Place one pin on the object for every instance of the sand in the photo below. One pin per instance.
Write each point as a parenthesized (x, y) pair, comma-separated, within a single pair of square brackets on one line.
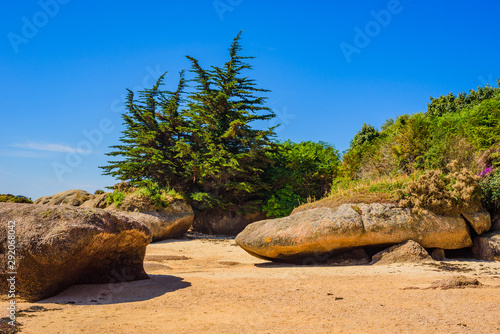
[(213, 286)]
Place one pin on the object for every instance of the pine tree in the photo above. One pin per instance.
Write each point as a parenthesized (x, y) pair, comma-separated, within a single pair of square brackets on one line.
[(152, 140), (228, 155), (204, 147)]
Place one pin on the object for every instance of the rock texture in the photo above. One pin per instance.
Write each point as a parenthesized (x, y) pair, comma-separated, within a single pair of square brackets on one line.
[(166, 224), (487, 246), (409, 251), (224, 222), (98, 201), (57, 246), (74, 197), (324, 230), (458, 282), (480, 221), (170, 222)]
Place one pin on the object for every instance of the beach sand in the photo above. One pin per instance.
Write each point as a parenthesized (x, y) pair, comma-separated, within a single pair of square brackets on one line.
[(204, 285)]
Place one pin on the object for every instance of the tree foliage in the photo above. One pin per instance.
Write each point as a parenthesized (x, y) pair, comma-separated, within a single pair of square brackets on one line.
[(199, 140), (463, 129), (299, 171), (366, 135), (155, 131), (227, 155), (451, 103)]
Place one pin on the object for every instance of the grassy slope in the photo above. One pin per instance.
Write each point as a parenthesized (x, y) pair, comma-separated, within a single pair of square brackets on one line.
[(381, 190)]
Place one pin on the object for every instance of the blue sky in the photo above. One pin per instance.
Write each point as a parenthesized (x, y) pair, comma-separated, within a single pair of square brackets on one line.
[(331, 66)]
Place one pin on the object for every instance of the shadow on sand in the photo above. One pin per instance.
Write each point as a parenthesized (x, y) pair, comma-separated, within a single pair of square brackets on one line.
[(115, 293), (189, 236)]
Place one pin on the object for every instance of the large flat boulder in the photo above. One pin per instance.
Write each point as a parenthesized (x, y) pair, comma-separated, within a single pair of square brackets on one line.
[(487, 246), (73, 197), (166, 222), (324, 230), (57, 246)]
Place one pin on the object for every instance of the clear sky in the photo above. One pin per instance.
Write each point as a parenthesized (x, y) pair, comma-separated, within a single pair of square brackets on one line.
[(331, 66)]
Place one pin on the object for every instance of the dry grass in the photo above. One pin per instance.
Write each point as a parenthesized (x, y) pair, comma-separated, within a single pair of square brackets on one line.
[(379, 190), (443, 193)]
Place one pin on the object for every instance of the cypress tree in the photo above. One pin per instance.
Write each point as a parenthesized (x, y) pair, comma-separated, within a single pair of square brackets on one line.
[(205, 147), (228, 155), (152, 139)]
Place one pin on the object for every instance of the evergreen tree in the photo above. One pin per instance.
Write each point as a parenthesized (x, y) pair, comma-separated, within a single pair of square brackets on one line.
[(228, 155), (209, 150), (152, 140)]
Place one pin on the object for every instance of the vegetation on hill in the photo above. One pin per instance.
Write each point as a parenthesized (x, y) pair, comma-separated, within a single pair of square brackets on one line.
[(299, 173), (199, 140), (446, 159), (15, 199), (146, 197)]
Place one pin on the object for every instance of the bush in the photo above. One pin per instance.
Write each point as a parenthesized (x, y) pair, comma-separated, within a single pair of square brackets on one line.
[(298, 171), (15, 199), (443, 193), (116, 197), (148, 196), (282, 203), (490, 187), (159, 196), (366, 135), (99, 192)]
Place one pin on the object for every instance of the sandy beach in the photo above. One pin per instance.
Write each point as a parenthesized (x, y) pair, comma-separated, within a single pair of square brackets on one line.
[(206, 285)]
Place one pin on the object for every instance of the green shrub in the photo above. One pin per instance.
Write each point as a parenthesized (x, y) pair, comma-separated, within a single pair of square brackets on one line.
[(490, 187), (366, 135), (15, 199), (159, 196), (116, 197), (99, 192), (282, 203), (298, 171)]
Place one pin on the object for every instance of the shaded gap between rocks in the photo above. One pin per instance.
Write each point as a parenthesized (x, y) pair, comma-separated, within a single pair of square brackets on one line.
[(462, 252)]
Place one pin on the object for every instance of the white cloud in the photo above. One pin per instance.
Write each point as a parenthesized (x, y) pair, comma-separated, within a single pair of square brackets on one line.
[(50, 147)]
